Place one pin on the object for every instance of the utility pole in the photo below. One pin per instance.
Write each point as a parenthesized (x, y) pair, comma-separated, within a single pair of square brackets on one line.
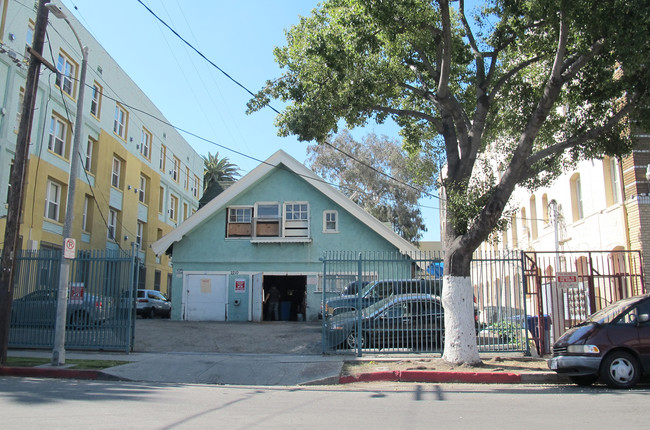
[(17, 179), (58, 353)]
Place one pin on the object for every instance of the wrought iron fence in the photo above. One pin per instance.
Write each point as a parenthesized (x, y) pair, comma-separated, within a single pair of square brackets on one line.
[(101, 306), (390, 302)]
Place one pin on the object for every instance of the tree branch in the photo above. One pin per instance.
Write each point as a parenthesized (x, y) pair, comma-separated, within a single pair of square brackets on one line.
[(501, 82), (411, 113)]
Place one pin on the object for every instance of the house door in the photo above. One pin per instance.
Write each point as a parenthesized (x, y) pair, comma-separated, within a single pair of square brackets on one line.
[(206, 298)]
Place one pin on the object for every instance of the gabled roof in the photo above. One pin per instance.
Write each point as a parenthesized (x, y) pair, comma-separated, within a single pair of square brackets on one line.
[(280, 157)]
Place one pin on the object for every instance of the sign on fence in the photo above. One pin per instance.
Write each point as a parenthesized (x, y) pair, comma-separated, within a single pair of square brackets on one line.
[(566, 280)]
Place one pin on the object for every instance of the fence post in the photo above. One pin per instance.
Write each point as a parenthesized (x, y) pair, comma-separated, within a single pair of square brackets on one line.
[(323, 335), (132, 289), (522, 256), (359, 313)]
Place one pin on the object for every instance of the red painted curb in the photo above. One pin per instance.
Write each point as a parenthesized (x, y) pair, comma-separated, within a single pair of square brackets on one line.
[(44, 372), (434, 376)]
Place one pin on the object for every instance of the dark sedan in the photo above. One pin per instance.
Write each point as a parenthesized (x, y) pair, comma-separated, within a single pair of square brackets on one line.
[(400, 321)]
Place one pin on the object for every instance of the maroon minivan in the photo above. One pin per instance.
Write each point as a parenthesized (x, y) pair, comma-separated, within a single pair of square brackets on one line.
[(613, 344)]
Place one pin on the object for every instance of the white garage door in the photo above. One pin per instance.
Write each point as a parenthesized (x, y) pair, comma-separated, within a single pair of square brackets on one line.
[(205, 298)]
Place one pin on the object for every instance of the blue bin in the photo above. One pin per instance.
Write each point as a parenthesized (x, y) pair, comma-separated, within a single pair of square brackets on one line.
[(285, 311)]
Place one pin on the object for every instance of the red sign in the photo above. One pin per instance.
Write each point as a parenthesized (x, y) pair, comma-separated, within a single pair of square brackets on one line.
[(77, 292), (567, 279), (240, 285)]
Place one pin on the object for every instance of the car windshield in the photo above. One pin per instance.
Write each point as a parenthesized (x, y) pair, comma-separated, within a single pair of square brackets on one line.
[(368, 288), (375, 307), (607, 314)]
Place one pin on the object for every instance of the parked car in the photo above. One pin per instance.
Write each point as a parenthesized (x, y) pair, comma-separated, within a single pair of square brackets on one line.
[(381, 289), (399, 321), (353, 287), (613, 344), (151, 303), (39, 308)]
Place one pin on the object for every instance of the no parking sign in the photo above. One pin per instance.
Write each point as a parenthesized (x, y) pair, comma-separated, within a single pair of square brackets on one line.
[(69, 248)]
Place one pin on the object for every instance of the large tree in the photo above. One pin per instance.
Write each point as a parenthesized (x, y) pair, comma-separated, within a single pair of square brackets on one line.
[(377, 175), (537, 84)]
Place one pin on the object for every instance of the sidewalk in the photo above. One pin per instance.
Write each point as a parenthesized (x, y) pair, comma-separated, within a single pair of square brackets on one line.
[(262, 354)]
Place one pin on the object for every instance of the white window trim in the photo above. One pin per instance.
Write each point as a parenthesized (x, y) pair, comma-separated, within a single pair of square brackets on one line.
[(120, 122), (145, 143), (57, 127), (173, 207), (336, 222), (244, 219), (139, 234), (88, 161), (67, 74), (96, 100), (115, 175), (142, 190), (293, 226), (111, 231), (84, 219), (54, 200)]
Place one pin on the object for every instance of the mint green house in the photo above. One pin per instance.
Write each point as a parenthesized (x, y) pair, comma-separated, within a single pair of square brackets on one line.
[(270, 228)]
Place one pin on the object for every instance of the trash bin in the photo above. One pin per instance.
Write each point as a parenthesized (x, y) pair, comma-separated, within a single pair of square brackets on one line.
[(285, 311)]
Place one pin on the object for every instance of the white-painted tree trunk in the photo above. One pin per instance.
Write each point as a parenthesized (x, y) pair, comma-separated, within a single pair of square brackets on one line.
[(460, 330)]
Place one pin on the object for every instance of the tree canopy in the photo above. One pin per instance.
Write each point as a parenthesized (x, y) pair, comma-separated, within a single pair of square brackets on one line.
[(523, 87), (377, 175), (216, 172)]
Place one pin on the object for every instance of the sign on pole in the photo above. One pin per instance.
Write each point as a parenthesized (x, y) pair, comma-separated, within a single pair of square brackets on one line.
[(69, 248)]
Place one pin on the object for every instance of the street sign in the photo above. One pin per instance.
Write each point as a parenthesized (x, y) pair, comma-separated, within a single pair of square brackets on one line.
[(567, 280), (69, 248)]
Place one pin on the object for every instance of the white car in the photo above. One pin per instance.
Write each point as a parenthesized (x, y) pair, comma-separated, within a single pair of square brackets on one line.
[(151, 303)]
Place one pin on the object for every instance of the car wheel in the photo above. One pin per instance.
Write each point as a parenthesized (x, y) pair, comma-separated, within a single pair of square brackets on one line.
[(351, 340), (584, 380), (620, 370), (79, 320)]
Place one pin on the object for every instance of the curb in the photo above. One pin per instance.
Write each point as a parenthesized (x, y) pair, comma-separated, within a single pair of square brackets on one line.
[(461, 377), (44, 372)]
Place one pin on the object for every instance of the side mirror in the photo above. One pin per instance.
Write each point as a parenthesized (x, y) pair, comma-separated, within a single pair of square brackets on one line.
[(643, 318)]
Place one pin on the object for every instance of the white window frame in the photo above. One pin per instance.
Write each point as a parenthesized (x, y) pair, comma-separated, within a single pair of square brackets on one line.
[(327, 221), (139, 234), (120, 122), (239, 215), (263, 217), (296, 219), (173, 207), (84, 221), (53, 200), (58, 135), (145, 143), (175, 168), (88, 162), (197, 184), (142, 191), (96, 100), (163, 156), (116, 168), (111, 232), (67, 73)]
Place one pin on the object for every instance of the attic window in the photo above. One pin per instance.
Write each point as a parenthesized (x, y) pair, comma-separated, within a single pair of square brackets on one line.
[(239, 222), (267, 221)]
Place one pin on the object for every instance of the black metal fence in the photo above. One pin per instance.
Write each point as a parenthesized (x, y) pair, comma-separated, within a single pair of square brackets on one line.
[(100, 309)]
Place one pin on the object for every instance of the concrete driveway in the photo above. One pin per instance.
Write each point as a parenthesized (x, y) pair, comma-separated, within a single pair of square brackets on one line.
[(273, 337)]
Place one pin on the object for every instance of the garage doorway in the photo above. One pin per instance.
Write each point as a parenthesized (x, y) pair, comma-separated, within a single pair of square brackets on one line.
[(293, 292)]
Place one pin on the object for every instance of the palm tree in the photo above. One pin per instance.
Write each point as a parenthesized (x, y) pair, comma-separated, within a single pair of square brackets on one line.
[(216, 172)]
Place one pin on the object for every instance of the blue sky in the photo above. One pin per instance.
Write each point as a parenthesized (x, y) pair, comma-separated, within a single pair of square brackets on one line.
[(239, 37)]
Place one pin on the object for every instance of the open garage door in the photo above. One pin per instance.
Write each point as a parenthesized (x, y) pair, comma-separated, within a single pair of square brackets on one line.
[(206, 298)]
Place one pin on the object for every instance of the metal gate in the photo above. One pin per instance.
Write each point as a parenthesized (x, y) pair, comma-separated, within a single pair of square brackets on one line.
[(101, 306), (390, 302), (588, 281)]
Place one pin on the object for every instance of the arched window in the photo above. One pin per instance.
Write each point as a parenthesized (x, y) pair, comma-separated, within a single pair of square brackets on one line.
[(533, 217), (576, 197), (545, 208)]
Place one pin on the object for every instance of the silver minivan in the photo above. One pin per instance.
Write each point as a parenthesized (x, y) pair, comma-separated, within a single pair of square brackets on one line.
[(151, 303)]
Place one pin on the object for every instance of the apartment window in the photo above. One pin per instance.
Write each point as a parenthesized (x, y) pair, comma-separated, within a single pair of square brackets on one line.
[(195, 189), (186, 211), (187, 178), (239, 222), (545, 208), (156, 280), (139, 234), (29, 37), (19, 111), (267, 220), (296, 219), (67, 73), (513, 224), (88, 160), (121, 121), (112, 224), (612, 181), (58, 136), (163, 157), (576, 197), (175, 169), (533, 216), (116, 172), (53, 200), (86, 222), (330, 222), (96, 100), (161, 200), (142, 191), (145, 143), (173, 207)]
